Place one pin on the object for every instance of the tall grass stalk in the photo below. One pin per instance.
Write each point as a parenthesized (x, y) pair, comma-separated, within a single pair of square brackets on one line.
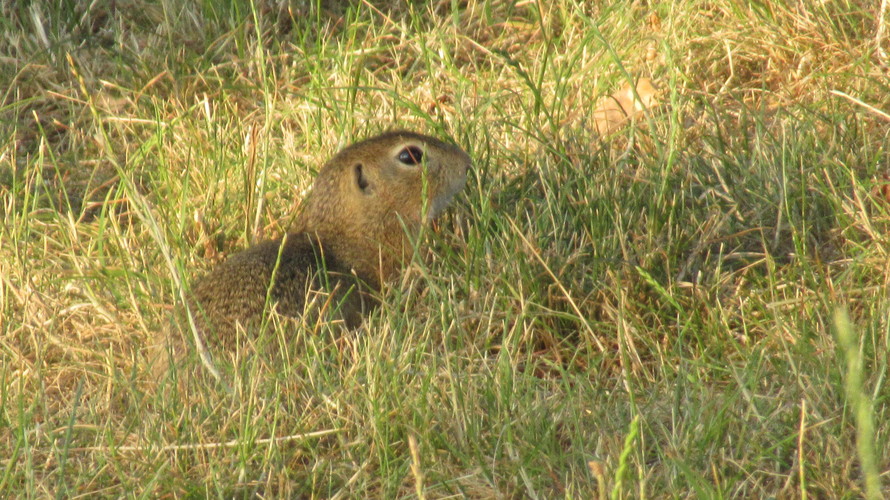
[(860, 403)]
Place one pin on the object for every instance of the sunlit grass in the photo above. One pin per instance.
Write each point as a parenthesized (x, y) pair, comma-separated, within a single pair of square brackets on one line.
[(644, 315)]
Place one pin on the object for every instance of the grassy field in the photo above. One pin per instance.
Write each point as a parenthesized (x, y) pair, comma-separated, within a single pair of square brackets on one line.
[(695, 306)]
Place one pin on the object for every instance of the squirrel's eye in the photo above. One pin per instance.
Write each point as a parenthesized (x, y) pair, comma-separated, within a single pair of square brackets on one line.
[(412, 155)]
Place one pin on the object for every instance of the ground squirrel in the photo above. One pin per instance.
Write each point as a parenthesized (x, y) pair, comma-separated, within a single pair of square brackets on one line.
[(350, 236)]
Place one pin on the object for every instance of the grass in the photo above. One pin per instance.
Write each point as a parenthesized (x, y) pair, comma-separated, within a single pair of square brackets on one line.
[(656, 313)]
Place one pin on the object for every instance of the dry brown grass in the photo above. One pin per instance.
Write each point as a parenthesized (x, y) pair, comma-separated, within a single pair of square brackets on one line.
[(684, 272)]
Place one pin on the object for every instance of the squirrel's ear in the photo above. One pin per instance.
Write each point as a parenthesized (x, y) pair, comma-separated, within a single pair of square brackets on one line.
[(361, 180)]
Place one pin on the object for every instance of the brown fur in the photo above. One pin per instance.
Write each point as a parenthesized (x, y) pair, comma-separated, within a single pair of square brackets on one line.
[(348, 240)]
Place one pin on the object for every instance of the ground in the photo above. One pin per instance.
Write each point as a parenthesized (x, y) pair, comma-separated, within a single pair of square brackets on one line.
[(691, 304)]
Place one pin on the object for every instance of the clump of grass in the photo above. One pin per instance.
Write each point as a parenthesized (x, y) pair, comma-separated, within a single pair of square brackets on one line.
[(674, 282)]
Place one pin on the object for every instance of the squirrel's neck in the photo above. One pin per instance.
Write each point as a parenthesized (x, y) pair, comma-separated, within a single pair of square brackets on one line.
[(371, 241), (374, 256)]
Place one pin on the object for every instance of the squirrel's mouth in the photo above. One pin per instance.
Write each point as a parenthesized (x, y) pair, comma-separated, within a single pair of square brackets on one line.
[(441, 202), (438, 206)]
